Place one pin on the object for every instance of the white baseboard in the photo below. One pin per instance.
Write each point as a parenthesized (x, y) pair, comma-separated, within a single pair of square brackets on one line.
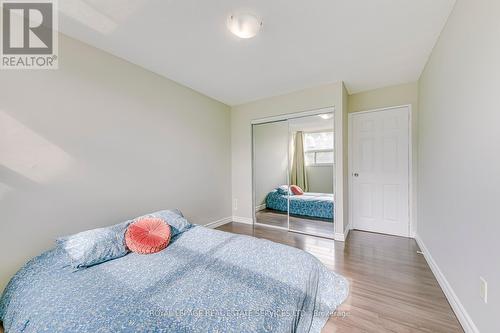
[(339, 237), (346, 232), (462, 315), (240, 219), (260, 207), (218, 223), (342, 236)]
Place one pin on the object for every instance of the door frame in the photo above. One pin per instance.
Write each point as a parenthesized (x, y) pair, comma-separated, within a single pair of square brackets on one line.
[(338, 151), (411, 186)]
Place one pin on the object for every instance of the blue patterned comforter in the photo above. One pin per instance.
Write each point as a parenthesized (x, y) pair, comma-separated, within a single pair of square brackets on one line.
[(309, 204), (205, 281)]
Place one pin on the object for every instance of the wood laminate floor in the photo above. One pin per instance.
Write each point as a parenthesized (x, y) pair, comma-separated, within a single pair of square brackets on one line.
[(392, 289), (309, 225)]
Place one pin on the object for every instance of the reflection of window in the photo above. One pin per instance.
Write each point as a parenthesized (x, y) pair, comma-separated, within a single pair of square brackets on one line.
[(318, 148)]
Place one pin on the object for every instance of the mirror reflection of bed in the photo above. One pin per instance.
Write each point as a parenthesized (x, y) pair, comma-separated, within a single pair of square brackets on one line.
[(294, 174)]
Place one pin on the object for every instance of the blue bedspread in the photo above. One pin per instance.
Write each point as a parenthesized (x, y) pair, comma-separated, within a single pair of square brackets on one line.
[(309, 204), (205, 281)]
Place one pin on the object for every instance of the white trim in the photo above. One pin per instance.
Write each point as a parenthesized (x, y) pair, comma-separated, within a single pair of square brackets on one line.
[(326, 150), (240, 219), (310, 234), (218, 223), (260, 207), (343, 236), (340, 237), (379, 109), (270, 226), (321, 130), (349, 169), (338, 170), (288, 116), (412, 228), (315, 151), (411, 223), (347, 230), (320, 165), (462, 315)]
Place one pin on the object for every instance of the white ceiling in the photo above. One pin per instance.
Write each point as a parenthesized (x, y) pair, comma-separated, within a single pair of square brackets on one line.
[(366, 43)]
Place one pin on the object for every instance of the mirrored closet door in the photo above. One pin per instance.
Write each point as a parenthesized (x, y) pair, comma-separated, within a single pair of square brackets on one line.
[(294, 174), (270, 169), (312, 172)]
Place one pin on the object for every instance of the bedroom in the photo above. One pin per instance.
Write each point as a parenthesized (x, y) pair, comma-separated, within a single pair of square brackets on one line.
[(139, 132)]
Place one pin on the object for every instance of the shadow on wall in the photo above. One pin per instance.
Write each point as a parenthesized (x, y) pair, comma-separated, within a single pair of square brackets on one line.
[(27, 154), (46, 192)]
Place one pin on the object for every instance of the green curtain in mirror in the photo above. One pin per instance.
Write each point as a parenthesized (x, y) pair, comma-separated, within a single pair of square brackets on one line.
[(298, 175)]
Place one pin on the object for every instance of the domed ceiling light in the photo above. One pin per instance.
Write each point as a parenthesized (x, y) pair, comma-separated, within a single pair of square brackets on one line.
[(244, 25)]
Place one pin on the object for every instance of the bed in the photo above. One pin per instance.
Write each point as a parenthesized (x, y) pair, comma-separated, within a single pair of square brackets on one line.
[(319, 205), (205, 281)]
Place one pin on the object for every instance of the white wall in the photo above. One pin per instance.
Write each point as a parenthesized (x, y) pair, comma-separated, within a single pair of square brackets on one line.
[(101, 140), (320, 178), (271, 158), (241, 145), (459, 157)]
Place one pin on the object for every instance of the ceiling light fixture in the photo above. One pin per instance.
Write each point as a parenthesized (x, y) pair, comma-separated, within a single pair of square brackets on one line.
[(244, 25), (326, 116)]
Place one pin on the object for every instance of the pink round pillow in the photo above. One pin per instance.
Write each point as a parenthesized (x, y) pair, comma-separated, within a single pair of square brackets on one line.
[(296, 190), (147, 235)]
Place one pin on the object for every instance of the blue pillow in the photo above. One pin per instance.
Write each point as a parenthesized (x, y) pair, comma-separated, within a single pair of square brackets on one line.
[(92, 247), (175, 219), (285, 190)]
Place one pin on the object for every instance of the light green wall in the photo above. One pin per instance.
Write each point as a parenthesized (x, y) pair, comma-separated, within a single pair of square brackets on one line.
[(459, 165), (99, 141), (385, 97)]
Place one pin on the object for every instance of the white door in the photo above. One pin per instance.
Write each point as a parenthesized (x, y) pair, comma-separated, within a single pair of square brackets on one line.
[(380, 171)]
